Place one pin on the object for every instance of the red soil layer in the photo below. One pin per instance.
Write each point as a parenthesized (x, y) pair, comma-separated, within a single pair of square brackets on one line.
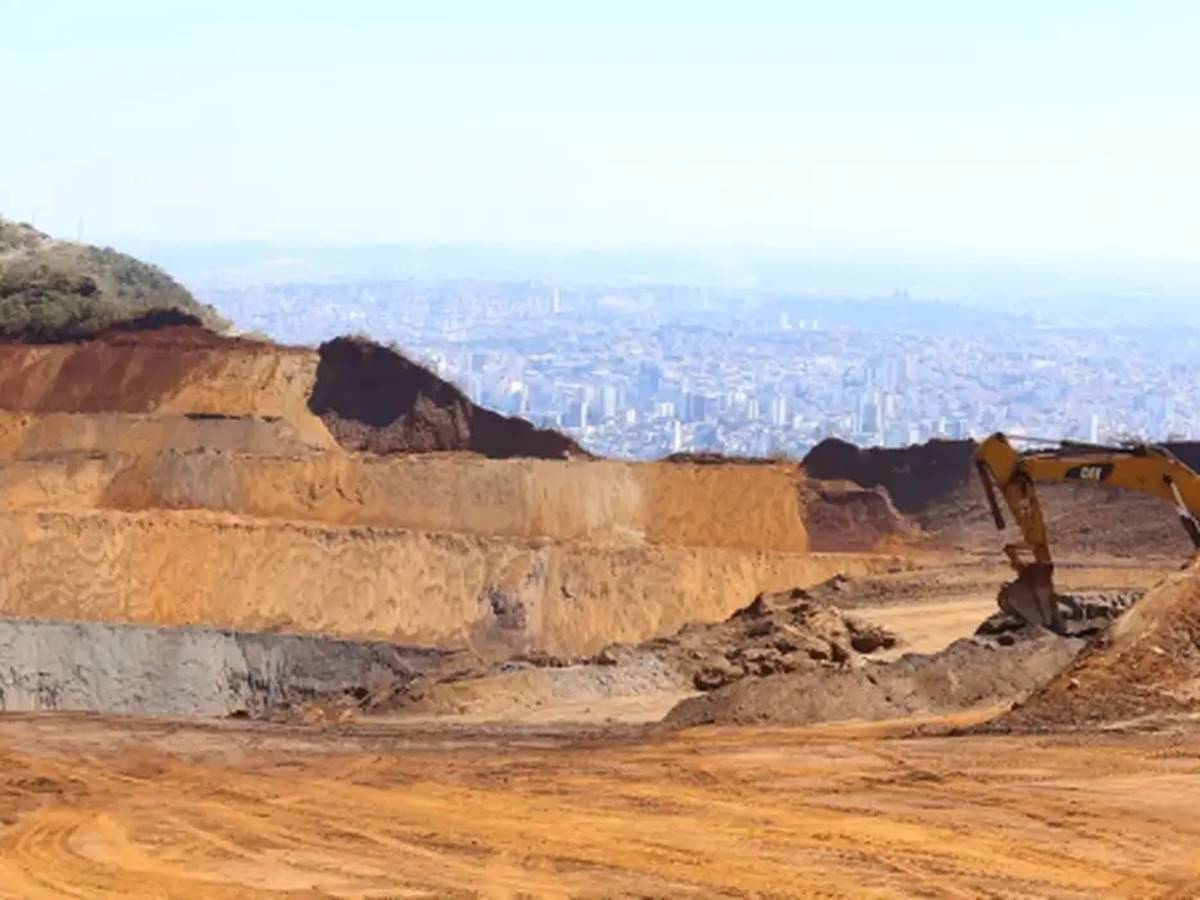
[(158, 328), (840, 516), (373, 399), (128, 368)]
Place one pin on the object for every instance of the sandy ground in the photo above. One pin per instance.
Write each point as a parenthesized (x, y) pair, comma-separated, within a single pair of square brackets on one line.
[(99, 807), (932, 606), (569, 799)]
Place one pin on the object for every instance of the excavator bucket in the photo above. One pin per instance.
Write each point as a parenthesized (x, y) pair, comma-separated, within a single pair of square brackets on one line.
[(1030, 597)]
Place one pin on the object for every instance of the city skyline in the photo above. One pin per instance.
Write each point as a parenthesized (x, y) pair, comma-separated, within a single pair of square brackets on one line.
[(643, 373)]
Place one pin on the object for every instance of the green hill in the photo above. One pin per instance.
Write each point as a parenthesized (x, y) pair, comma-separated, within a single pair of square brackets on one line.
[(59, 290)]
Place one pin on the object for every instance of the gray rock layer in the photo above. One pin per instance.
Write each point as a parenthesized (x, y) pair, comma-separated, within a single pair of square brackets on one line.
[(94, 667)]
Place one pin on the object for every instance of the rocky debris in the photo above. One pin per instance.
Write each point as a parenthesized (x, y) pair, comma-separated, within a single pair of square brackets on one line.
[(786, 632), (969, 672), (789, 631), (374, 399), (1146, 665), (1083, 615), (1003, 661)]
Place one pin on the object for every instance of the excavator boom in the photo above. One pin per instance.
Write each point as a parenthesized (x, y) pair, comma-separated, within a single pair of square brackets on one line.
[(1010, 475)]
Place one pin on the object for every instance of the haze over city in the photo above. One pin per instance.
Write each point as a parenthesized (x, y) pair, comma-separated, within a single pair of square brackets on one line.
[(763, 226)]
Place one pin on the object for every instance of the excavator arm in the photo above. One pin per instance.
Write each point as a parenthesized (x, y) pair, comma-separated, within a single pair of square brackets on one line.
[(1009, 474)]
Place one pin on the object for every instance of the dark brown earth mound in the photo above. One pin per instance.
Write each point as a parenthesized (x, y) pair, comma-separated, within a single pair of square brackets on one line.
[(915, 477), (935, 484), (1147, 664), (375, 400)]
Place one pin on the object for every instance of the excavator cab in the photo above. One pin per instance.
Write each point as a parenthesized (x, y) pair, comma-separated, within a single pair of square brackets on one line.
[(1009, 474)]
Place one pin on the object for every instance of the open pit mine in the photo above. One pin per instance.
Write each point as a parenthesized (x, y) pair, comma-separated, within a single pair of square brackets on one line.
[(297, 621)]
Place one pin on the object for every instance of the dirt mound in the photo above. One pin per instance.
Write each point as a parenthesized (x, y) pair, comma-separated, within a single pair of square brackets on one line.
[(1147, 664), (373, 399), (789, 631), (914, 477), (935, 484), (970, 672), (1003, 660), (170, 328)]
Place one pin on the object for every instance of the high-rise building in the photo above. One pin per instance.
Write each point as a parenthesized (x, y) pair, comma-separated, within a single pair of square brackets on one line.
[(577, 415), (870, 415), (608, 401), (779, 410), (649, 380)]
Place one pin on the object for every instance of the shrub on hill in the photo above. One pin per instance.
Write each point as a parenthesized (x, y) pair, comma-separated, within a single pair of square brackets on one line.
[(56, 290)]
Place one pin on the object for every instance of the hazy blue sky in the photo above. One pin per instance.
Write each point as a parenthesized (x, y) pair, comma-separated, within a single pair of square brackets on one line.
[(1015, 126)]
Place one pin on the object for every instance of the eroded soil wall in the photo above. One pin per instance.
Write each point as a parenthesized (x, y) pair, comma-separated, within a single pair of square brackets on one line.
[(607, 502), (496, 594)]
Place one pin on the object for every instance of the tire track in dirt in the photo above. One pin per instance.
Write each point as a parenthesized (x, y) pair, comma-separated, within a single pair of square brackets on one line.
[(139, 809)]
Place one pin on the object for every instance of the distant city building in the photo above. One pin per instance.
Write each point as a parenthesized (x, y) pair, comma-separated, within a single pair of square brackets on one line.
[(779, 411), (635, 372), (608, 401), (649, 379)]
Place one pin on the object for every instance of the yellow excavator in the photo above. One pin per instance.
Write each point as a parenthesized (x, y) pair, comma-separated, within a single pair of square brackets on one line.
[(1012, 473)]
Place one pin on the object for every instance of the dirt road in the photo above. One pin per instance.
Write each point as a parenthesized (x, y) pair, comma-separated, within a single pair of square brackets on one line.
[(97, 808)]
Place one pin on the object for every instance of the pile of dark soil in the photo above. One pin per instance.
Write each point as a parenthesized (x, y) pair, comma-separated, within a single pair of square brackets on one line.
[(916, 477), (936, 485), (373, 399)]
